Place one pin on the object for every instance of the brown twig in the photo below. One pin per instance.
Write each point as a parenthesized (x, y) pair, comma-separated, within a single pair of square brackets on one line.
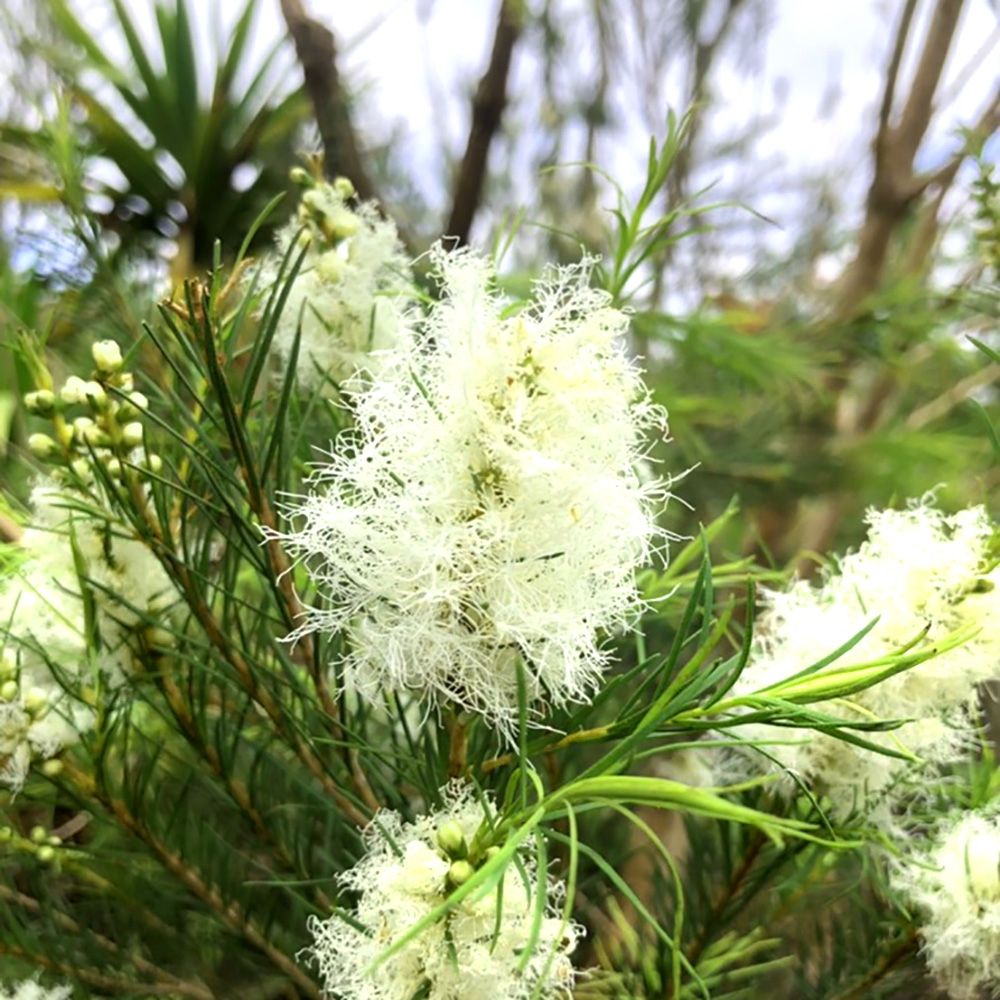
[(10, 530), (236, 789), (280, 567), (728, 894), (111, 984), (178, 987), (488, 105), (458, 745), (217, 638), (907, 947), (229, 912)]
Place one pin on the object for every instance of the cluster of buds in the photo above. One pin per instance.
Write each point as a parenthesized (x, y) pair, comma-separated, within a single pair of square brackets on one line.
[(327, 219), (464, 861), (110, 428), (39, 842), (23, 735)]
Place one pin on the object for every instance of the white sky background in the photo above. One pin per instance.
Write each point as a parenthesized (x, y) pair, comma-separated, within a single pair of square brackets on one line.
[(416, 61)]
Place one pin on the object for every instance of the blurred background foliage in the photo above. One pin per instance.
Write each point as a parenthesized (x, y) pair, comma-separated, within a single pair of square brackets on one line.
[(808, 376), (830, 372)]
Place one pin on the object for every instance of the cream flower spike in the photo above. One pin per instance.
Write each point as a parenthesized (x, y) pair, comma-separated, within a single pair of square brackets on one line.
[(488, 508), (408, 870), (955, 884), (919, 569), (351, 291)]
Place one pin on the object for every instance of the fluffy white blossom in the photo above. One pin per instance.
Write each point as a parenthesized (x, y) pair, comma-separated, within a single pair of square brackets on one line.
[(955, 884), (487, 508), (42, 603), (919, 569), (408, 870), (31, 989), (349, 291), (43, 622)]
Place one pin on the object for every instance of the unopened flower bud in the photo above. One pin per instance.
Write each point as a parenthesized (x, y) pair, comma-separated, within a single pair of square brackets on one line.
[(86, 431), (460, 872), (160, 637), (52, 768), (107, 356), (114, 468), (74, 391), (9, 690), (81, 427), (40, 403), (36, 703), (125, 382), (339, 224), (344, 188), (302, 177), (96, 396), (154, 463), (8, 666), (46, 854), (132, 434), (451, 840), (139, 401), (42, 446), (38, 834), (54, 841), (6, 834), (331, 266)]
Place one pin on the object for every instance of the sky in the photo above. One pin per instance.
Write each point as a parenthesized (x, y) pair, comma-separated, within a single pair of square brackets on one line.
[(414, 62)]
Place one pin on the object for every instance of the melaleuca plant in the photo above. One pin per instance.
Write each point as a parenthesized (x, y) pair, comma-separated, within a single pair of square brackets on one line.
[(351, 650)]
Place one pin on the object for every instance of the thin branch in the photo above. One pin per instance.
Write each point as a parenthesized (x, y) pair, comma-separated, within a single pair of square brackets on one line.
[(957, 394), (918, 110), (894, 186), (317, 54), (487, 110), (230, 912), (892, 73), (903, 950), (177, 987), (100, 980)]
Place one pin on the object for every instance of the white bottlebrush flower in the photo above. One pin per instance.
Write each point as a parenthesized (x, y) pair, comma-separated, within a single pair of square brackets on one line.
[(487, 508), (404, 875), (954, 883), (42, 604), (919, 569), (31, 989), (349, 292)]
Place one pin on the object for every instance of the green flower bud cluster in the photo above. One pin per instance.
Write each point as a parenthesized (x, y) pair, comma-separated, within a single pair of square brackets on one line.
[(109, 428), (465, 861), (39, 842), (324, 211)]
